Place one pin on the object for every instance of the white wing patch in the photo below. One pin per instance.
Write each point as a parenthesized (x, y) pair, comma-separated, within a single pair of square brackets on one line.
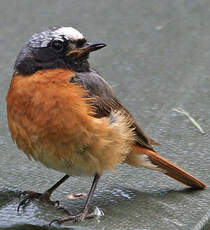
[(69, 33)]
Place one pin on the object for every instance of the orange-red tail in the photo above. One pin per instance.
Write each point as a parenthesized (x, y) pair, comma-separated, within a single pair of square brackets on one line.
[(152, 159)]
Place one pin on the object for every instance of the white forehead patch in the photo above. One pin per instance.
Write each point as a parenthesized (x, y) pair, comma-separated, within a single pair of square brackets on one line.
[(69, 33), (44, 38)]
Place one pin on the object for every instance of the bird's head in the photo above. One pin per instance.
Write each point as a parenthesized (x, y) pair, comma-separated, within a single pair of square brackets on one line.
[(58, 47)]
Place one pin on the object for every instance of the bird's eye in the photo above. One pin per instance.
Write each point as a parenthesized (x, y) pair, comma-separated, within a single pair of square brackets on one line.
[(57, 45)]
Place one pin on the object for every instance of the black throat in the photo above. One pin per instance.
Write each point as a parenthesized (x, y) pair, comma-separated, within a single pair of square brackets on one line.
[(29, 65), (78, 65)]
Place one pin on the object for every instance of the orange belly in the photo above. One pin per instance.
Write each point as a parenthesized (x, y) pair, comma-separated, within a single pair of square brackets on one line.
[(51, 121)]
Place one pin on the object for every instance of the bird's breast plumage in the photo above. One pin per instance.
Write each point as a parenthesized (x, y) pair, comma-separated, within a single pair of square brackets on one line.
[(51, 120)]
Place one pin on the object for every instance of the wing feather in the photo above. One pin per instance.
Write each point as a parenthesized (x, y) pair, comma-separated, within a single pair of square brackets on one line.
[(104, 101)]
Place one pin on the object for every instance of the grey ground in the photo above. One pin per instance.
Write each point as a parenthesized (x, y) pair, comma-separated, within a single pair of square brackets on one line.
[(157, 58)]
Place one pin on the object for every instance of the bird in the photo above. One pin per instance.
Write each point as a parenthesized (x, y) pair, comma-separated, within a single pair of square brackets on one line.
[(62, 113)]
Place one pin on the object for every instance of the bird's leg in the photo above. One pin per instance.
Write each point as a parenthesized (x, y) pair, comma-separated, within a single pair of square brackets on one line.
[(84, 213), (44, 197)]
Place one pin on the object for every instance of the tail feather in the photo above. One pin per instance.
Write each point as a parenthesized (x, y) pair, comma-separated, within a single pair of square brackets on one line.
[(169, 168)]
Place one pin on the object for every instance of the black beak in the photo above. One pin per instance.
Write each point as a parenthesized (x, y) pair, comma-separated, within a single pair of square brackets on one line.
[(87, 48), (92, 46)]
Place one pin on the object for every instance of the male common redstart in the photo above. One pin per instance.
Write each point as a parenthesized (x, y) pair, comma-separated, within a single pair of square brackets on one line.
[(62, 113)]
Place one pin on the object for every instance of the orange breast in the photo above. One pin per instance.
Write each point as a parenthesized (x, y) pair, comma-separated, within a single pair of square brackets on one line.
[(50, 120)]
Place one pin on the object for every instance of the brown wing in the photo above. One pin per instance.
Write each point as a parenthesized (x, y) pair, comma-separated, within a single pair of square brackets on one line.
[(104, 101)]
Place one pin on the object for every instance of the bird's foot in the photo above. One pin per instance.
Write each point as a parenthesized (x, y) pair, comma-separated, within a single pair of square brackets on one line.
[(28, 196), (76, 218)]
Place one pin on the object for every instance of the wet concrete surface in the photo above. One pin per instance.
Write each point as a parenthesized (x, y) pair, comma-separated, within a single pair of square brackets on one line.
[(157, 59)]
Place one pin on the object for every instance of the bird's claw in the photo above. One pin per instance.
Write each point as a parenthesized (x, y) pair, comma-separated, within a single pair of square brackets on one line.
[(23, 203), (75, 218), (28, 196)]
